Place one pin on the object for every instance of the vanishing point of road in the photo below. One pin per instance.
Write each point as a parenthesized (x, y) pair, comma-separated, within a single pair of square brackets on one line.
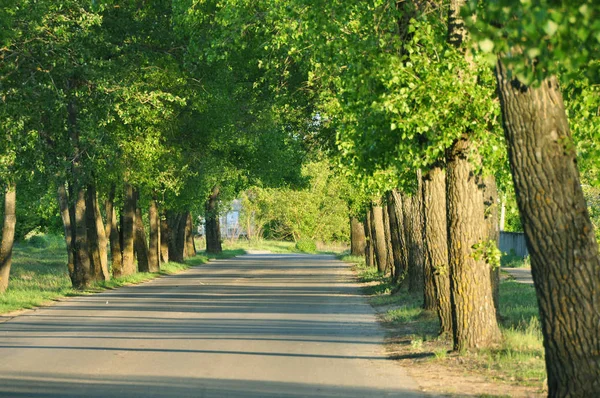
[(259, 326)]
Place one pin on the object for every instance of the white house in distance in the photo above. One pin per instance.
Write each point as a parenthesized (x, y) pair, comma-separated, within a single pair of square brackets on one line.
[(229, 220)]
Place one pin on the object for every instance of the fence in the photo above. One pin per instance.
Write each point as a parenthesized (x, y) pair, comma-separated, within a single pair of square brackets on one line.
[(513, 242)]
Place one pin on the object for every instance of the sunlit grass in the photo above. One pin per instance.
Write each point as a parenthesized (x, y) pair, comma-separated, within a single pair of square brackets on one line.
[(274, 246), (519, 358)]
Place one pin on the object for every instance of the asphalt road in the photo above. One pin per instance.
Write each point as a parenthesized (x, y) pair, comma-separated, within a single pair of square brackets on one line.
[(521, 275), (262, 325)]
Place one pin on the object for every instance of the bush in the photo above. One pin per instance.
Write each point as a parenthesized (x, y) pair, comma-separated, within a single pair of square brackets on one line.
[(38, 241), (306, 246)]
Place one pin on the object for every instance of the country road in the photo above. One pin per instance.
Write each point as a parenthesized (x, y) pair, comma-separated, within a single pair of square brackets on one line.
[(261, 325)]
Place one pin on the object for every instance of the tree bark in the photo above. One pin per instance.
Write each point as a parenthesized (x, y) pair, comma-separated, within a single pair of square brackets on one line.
[(416, 278), (388, 242), (436, 243), (139, 242), (190, 250), (560, 236), (213, 229), (63, 204), (357, 237), (490, 200), (112, 231), (155, 241), (8, 234), (369, 250), (96, 236), (177, 240), (128, 231), (474, 314), (378, 233), (398, 239), (165, 237), (81, 277)]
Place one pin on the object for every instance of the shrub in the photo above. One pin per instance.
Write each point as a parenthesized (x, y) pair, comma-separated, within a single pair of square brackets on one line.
[(38, 241), (306, 246)]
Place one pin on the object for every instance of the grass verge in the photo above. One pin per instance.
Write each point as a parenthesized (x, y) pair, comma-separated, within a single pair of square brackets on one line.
[(516, 362), (280, 247), (39, 275)]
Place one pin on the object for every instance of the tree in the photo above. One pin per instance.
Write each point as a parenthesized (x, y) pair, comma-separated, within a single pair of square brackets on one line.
[(533, 45)]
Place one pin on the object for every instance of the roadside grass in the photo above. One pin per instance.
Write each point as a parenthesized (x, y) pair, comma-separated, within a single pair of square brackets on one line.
[(278, 247), (518, 359), (512, 261), (39, 274)]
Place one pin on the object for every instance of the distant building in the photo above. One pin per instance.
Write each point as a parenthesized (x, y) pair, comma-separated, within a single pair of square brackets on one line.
[(229, 221)]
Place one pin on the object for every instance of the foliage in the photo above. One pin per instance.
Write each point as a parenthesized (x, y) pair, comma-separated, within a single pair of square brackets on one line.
[(317, 212), (306, 245)]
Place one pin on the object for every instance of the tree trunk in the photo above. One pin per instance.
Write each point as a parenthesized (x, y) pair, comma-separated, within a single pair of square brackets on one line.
[(128, 231), (81, 277), (155, 242), (96, 236), (558, 231), (474, 314), (165, 237), (112, 231), (369, 250), (430, 300), (357, 237), (436, 243), (190, 250), (213, 229), (63, 204), (398, 239), (8, 235), (378, 233), (416, 276), (388, 242), (490, 200), (139, 242), (177, 241)]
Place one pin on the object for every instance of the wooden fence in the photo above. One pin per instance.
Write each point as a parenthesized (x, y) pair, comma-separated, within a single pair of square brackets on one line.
[(513, 243)]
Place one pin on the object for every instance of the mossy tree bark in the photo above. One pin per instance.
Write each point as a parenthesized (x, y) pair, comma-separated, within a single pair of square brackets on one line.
[(436, 243), (398, 238), (490, 200), (154, 244), (212, 226), (8, 234), (357, 237), (474, 314), (378, 234), (128, 232), (560, 236), (81, 276)]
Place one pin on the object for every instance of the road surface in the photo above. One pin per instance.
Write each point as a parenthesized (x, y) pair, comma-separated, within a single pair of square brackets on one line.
[(262, 325), (521, 275)]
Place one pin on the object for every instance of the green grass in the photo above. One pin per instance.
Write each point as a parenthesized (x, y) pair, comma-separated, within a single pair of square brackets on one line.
[(279, 247), (519, 358), (39, 274), (512, 261)]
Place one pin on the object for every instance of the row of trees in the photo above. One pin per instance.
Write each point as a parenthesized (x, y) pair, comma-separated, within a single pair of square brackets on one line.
[(112, 109), (447, 89), (176, 104)]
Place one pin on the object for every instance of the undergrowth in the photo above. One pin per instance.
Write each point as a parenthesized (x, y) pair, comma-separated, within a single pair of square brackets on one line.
[(518, 359)]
